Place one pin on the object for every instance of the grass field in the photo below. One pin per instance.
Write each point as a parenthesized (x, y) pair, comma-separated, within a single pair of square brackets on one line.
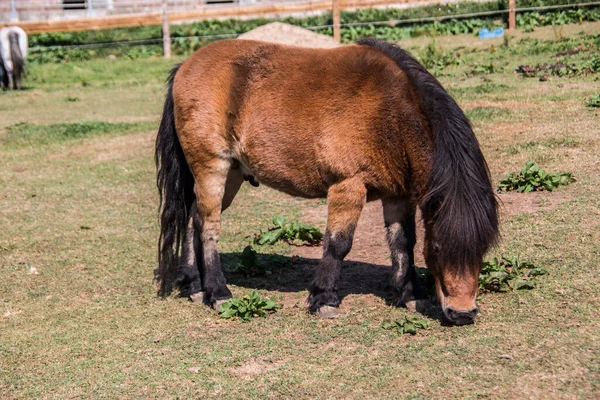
[(78, 215)]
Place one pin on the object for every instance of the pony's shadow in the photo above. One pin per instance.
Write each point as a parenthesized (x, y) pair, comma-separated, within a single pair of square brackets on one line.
[(294, 274)]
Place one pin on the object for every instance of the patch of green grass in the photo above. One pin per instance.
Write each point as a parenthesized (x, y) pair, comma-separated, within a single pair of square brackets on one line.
[(506, 274), (517, 148), (249, 306), (485, 69), (511, 150), (291, 232), (484, 88), (562, 68), (436, 60), (121, 73), (567, 141), (25, 134), (528, 46), (533, 178), (478, 113), (551, 143)]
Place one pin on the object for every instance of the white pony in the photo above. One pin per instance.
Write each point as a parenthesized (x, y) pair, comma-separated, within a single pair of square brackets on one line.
[(13, 50)]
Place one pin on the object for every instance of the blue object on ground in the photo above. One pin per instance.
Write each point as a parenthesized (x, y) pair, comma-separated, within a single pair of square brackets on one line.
[(487, 34)]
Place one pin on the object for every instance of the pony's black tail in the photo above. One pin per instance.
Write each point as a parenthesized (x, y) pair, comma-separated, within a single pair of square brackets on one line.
[(460, 202), (17, 58), (175, 187)]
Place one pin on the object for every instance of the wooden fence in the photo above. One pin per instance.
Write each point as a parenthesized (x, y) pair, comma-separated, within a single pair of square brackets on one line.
[(204, 12)]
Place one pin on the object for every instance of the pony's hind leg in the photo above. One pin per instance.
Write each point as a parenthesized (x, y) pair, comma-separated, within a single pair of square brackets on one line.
[(399, 217), (345, 201), (210, 188), (188, 280), (191, 262)]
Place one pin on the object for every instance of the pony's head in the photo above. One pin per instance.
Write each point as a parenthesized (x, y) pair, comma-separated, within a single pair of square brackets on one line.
[(454, 249), (456, 286)]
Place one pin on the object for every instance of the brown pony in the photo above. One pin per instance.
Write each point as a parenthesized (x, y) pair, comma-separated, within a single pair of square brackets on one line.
[(352, 124)]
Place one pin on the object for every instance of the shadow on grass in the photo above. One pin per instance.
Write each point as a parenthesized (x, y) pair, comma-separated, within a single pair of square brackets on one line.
[(294, 274)]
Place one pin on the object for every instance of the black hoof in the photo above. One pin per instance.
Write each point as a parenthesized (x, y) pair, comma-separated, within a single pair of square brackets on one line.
[(319, 298), (188, 281), (409, 294), (198, 297), (216, 295)]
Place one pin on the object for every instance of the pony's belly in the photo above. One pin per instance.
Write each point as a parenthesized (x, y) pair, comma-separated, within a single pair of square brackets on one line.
[(290, 179)]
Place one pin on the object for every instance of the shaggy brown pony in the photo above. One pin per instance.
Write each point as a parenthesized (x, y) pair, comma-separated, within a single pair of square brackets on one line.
[(352, 124)]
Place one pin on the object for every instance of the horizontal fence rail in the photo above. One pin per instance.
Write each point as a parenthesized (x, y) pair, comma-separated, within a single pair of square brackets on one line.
[(166, 15), (149, 12), (394, 22)]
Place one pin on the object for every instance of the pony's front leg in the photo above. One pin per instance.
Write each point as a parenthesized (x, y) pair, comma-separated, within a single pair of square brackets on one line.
[(210, 190), (399, 218), (345, 201)]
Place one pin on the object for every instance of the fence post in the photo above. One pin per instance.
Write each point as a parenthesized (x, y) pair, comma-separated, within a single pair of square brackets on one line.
[(337, 35), (165, 30), (13, 12), (512, 18)]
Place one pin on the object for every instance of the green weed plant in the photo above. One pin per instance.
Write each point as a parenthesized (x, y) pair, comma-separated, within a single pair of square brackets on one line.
[(497, 275), (507, 274), (594, 101), (250, 306), (292, 232), (533, 178), (406, 325), (249, 264)]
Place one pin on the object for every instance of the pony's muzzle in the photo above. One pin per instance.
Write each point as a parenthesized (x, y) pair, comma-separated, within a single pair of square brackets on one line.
[(460, 317)]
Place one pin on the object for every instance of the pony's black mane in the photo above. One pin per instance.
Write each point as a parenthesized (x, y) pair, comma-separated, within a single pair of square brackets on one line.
[(460, 202)]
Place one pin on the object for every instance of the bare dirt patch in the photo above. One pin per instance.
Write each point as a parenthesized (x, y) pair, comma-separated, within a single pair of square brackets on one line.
[(256, 366), (369, 245), (101, 150), (514, 203)]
